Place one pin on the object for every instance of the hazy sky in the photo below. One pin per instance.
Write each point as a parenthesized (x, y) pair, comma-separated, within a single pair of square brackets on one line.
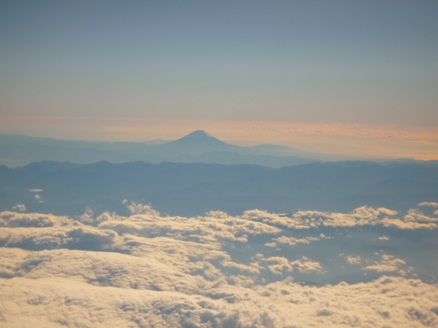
[(366, 62)]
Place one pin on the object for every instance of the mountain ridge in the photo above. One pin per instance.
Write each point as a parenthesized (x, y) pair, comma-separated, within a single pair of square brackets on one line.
[(192, 188), (197, 146)]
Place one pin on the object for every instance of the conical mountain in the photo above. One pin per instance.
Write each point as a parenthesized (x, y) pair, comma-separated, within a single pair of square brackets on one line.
[(198, 142), (199, 137)]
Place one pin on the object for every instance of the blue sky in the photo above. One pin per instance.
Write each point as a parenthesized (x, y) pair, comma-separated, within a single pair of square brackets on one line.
[(368, 62)]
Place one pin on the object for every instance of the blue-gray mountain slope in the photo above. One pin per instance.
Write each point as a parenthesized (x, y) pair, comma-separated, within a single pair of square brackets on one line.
[(196, 147), (192, 189)]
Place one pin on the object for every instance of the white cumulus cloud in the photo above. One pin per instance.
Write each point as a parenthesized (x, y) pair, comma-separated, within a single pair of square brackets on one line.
[(152, 270)]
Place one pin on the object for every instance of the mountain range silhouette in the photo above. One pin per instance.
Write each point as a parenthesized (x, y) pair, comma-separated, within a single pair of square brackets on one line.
[(196, 147)]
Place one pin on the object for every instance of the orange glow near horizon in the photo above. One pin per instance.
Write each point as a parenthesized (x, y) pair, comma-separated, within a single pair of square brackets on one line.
[(349, 140)]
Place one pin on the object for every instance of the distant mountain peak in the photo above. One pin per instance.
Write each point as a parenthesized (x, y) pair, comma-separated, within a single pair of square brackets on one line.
[(198, 134), (198, 142)]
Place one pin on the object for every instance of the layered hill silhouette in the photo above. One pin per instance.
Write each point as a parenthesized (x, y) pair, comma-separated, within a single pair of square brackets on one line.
[(192, 189), (196, 147)]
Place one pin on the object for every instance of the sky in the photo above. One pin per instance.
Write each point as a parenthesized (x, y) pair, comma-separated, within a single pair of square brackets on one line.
[(110, 70)]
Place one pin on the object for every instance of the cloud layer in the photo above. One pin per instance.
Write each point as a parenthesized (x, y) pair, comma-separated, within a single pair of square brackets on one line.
[(216, 270)]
